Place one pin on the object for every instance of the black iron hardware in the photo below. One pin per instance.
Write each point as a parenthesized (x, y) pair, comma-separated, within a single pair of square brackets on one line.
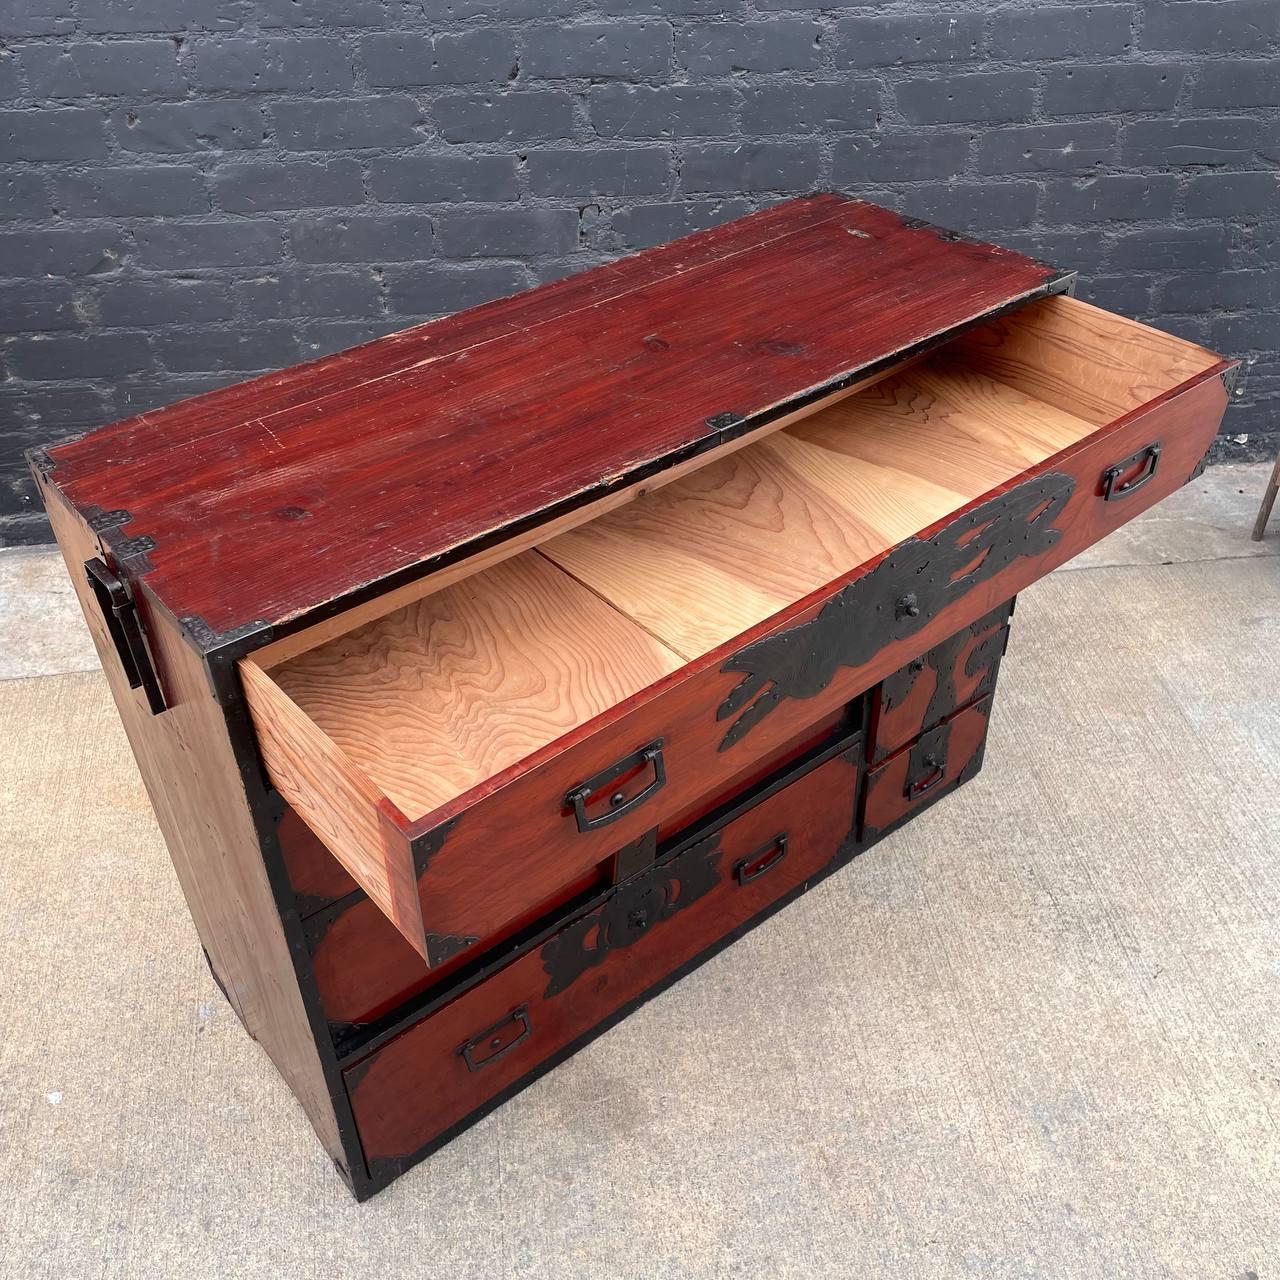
[(492, 1043), (916, 787), (121, 616), (1150, 460), (619, 806), (760, 863)]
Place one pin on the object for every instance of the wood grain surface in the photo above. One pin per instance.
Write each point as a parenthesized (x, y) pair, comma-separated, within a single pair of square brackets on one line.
[(401, 456), (441, 695)]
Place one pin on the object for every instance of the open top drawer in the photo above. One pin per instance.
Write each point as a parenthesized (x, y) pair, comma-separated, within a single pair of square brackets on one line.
[(477, 748)]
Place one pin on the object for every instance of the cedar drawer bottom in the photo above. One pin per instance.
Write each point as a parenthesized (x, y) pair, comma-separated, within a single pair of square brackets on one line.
[(469, 754), (364, 970), (417, 1090)]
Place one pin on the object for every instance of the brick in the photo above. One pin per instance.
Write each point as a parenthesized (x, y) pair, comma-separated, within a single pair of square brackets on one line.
[(73, 133), (36, 18), (549, 270), (273, 65), (619, 50), (459, 10), (663, 111), (644, 171), (324, 337), (802, 108), (1235, 334), (438, 291), (1257, 243), (1251, 83), (718, 48), (900, 157), (1129, 86), (1219, 290), (512, 233), (34, 305), (889, 41), (1211, 26), (438, 179), (1043, 148), (142, 395), (1171, 248), (59, 252), (1061, 31), (177, 128), (318, 125), (302, 184), (676, 9), (751, 166), (1113, 197), (1228, 195), (317, 13), (385, 237), (976, 206), (133, 67), (246, 348), (1128, 294), (97, 355), (9, 86), (107, 193), (1082, 251), (64, 409), (23, 195), (994, 95), (1221, 141), (241, 242), (121, 16), (300, 294), (468, 57), (645, 225), (146, 301), (516, 116)]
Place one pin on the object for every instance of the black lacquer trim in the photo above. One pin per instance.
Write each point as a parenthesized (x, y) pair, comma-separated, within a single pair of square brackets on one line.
[(896, 599)]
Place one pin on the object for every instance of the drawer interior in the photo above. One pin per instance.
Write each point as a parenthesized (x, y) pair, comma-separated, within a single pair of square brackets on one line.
[(429, 701)]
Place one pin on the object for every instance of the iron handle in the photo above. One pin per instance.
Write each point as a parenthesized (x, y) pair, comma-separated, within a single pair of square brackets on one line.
[(492, 1043), (577, 797), (916, 787), (760, 863), (1150, 460)]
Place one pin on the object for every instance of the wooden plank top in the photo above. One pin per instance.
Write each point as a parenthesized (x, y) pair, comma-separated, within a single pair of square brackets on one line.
[(285, 498)]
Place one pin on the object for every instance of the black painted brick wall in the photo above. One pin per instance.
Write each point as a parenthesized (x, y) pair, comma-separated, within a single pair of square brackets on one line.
[(198, 189)]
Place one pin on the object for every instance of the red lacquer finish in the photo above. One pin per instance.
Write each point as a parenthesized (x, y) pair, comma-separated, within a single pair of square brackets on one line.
[(423, 1082), (270, 500)]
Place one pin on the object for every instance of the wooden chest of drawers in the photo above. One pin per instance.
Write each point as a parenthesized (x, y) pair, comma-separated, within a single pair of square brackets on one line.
[(488, 677)]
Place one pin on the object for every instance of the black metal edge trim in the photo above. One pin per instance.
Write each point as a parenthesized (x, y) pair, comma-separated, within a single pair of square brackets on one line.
[(383, 1172), (356, 1041), (1231, 376), (1059, 282), (225, 687)]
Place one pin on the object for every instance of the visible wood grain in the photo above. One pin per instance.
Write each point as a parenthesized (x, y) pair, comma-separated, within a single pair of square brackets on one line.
[(717, 552), (405, 455), (1091, 363), (440, 696), (192, 777)]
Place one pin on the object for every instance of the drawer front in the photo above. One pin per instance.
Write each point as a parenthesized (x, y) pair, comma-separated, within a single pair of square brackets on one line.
[(364, 968), (714, 718), (460, 1057), (932, 766), (928, 689)]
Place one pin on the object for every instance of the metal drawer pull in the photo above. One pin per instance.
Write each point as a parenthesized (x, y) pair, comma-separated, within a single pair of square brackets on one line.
[(765, 858), (918, 786), (619, 806), (1150, 459), (491, 1044)]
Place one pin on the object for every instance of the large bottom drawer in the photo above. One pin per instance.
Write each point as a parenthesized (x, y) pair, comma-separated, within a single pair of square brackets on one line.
[(410, 1094)]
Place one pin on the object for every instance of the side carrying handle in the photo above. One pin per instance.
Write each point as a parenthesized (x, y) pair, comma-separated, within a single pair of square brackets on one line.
[(122, 621), (1149, 458), (619, 805)]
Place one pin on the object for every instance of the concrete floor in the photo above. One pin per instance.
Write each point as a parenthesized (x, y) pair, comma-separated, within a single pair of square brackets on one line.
[(1035, 1034)]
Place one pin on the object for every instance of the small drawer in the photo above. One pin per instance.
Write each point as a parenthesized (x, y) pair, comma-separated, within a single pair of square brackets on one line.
[(930, 688), (924, 771), (460, 1056), (466, 755)]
